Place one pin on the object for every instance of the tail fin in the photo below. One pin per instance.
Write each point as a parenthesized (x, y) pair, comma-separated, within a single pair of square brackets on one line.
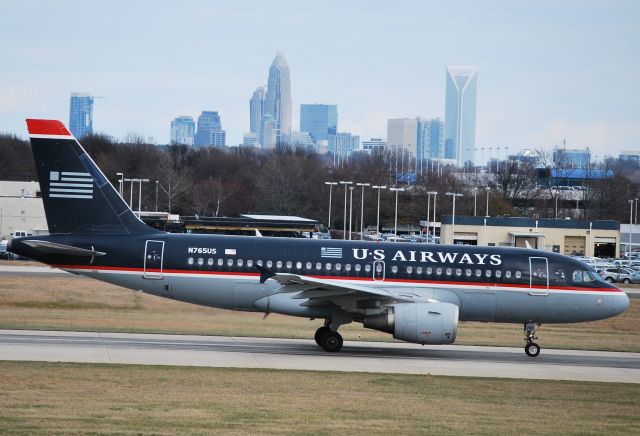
[(77, 196)]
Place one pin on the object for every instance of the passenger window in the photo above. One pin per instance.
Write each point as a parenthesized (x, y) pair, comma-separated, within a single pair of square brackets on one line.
[(328, 267), (438, 271), (419, 270), (240, 262), (498, 274), (338, 266), (200, 261), (220, 262), (487, 273), (279, 264), (367, 268), (518, 274), (309, 265), (269, 264), (378, 267), (289, 264), (588, 276), (259, 262), (347, 267), (448, 271), (190, 261), (409, 269), (229, 262), (298, 265), (478, 273), (249, 263), (467, 272), (458, 272), (210, 261), (429, 270), (507, 274), (394, 269), (358, 267), (318, 266)]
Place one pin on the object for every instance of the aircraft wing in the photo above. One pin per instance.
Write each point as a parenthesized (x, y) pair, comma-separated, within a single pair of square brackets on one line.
[(318, 291)]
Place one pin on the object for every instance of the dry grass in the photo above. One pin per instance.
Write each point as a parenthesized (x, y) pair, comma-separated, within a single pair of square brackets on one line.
[(38, 398), (77, 303)]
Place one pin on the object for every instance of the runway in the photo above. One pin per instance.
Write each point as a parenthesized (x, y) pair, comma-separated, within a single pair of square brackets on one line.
[(377, 357)]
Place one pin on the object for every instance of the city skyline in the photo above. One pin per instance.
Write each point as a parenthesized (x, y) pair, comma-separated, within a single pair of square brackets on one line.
[(541, 82)]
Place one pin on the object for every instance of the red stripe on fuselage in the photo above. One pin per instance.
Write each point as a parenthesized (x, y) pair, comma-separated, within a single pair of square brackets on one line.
[(47, 127), (341, 278)]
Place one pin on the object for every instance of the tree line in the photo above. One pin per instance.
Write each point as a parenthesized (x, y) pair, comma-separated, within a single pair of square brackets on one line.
[(291, 181)]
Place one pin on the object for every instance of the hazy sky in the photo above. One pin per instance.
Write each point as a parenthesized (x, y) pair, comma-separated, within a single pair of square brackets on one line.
[(548, 70)]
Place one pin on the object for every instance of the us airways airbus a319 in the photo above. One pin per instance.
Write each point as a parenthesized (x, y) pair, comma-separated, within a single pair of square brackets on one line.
[(416, 292)]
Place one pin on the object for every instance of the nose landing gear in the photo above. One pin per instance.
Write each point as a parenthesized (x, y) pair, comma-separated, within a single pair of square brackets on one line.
[(531, 349)]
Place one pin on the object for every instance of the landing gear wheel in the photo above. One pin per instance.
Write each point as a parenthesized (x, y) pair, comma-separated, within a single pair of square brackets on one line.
[(331, 341), (532, 349), (320, 332)]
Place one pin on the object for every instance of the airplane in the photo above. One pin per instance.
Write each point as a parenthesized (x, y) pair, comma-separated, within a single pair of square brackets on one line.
[(416, 292)]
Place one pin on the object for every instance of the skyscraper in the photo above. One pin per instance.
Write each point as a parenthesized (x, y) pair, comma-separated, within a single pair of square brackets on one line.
[(81, 115), (403, 132), (210, 131), (342, 145), (277, 104), (183, 130), (460, 113), (319, 120), (430, 138), (256, 109)]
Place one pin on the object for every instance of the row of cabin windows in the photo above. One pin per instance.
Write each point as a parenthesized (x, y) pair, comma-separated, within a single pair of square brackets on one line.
[(319, 266)]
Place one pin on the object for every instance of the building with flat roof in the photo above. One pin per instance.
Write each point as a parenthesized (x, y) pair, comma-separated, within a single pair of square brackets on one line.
[(81, 114), (21, 208), (403, 132), (319, 120), (570, 237), (183, 130)]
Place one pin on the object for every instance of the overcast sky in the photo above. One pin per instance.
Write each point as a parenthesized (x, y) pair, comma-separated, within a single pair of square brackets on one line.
[(548, 70)]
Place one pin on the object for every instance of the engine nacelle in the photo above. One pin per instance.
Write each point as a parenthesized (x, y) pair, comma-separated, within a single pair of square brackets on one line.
[(420, 323)]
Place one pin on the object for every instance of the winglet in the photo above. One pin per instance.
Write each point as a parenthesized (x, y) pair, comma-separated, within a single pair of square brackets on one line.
[(265, 274)]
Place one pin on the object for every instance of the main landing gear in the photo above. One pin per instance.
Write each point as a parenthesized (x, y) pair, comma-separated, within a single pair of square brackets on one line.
[(532, 349), (328, 339)]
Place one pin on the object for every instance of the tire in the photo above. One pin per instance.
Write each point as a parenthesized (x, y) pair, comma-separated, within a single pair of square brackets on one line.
[(532, 349), (609, 279), (626, 281), (331, 341), (319, 334)]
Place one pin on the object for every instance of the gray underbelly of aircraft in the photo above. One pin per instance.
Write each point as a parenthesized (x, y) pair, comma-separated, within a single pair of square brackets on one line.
[(481, 304)]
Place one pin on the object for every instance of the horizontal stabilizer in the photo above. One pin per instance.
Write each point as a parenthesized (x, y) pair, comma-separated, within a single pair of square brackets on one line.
[(54, 248)]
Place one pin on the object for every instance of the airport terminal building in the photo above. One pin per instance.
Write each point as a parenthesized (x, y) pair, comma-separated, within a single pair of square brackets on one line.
[(570, 237)]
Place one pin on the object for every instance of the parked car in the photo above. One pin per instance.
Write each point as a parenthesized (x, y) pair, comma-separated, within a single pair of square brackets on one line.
[(620, 275), (3, 249)]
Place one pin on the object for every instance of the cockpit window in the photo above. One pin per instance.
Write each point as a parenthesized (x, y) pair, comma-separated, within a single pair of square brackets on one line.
[(581, 276)]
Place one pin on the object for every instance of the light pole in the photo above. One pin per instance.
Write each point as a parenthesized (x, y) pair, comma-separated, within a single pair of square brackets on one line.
[(556, 205), (362, 208), (630, 232), (453, 215), (331, 184), (344, 231), (378, 220), (351, 188), (395, 226), (120, 182), (140, 194), (475, 201), (487, 189), (635, 217), (429, 194), (157, 182)]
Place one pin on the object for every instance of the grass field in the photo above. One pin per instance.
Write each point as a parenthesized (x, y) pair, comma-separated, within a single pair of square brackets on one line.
[(38, 398), (77, 303)]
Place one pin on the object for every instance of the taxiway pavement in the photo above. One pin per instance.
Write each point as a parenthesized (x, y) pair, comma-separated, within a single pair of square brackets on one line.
[(377, 357)]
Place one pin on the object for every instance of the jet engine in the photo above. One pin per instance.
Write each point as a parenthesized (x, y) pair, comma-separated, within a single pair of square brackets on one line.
[(420, 323)]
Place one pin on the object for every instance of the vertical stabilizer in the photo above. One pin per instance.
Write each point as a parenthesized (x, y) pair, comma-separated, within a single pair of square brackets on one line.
[(77, 196)]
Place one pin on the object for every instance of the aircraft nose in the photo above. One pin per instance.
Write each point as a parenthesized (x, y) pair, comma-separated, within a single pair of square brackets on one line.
[(622, 303)]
